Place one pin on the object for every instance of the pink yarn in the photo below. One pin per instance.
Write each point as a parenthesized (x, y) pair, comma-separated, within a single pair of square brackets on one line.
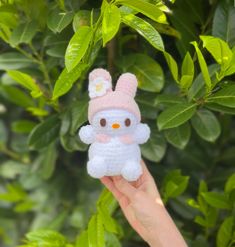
[(100, 73), (121, 98), (127, 139), (127, 83)]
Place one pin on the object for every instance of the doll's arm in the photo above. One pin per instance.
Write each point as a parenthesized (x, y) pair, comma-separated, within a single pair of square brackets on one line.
[(87, 134), (142, 133)]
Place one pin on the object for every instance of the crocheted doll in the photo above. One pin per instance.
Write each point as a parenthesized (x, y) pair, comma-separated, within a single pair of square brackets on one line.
[(115, 130)]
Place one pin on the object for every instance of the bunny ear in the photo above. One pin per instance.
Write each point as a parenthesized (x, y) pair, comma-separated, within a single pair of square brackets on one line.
[(100, 82), (127, 83)]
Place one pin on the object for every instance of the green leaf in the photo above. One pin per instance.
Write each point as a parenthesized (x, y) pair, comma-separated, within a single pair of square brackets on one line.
[(172, 65), (16, 96), (44, 133), (10, 169), (82, 18), (48, 162), (220, 108), (24, 206), (112, 240), (96, 231), (5, 32), (111, 22), (223, 22), (66, 79), (148, 72), (179, 136), (175, 115), (197, 90), (217, 200), (206, 125), (174, 184), (72, 119), (148, 9), (155, 148), (107, 200), (203, 67), (187, 72), (77, 47), (14, 193), (78, 114), (22, 126), (46, 238), (8, 16), (168, 100), (108, 221), (3, 133), (182, 209), (218, 48), (57, 50), (82, 240), (230, 184), (23, 33), (26, 81), (231, 68), (39, 112), (14, 60), (72, 143), (147, 105), (57, 21), (224, 97), (225, 233), (145, 29)]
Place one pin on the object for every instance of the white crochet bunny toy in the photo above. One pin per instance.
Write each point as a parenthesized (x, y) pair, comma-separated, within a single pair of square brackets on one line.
[(115, 130)]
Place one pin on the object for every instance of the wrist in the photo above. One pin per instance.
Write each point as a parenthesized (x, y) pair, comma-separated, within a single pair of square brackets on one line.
[(165, 232)]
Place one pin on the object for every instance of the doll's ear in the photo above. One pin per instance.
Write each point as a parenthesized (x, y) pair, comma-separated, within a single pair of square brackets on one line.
[(127, 83), (100, 82)]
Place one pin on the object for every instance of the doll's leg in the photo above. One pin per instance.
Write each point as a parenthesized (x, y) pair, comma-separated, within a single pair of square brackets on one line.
[(96, 167), (132, 170)]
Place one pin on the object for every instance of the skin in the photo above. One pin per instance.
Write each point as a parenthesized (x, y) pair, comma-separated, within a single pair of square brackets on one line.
[(143, 208)]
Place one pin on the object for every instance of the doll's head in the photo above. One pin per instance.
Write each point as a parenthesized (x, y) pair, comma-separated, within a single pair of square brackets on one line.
[(112, 112)]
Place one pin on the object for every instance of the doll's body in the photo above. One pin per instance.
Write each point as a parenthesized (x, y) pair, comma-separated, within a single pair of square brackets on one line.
[(114, 151), (114, 133)]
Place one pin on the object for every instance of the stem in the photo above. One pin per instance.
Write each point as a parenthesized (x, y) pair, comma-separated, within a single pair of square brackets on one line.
[(93, 38), (10, 153), (27, 54), (111, 47), (42, 66)]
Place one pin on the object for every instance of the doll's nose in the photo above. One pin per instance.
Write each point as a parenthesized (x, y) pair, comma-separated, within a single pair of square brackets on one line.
[(115, 126)]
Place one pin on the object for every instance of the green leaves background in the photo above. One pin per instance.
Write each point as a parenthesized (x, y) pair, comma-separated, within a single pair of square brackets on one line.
[(183, 56)]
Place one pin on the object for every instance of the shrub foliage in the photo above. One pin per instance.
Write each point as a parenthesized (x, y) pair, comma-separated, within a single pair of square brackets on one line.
[(183, 54)]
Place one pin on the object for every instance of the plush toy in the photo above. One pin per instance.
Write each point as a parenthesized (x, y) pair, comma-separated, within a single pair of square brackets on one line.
[(115, 130)]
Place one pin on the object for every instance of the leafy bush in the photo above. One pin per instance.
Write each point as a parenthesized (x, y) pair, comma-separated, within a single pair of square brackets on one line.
[(186, 94)]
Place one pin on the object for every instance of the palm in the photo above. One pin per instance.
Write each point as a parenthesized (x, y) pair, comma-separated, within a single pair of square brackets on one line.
[(130, 206)]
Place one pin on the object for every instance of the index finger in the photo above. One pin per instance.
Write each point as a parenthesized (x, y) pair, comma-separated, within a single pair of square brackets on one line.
[(125, 187)]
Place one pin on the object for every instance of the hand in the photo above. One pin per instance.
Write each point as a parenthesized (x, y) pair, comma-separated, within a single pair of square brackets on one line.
[(143, 208)]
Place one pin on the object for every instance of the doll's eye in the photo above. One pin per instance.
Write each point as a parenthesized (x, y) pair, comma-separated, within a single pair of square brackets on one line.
[(127, 122), (103, 122)]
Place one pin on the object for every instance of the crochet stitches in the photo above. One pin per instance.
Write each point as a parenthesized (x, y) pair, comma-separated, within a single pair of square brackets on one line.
[(115, 129)]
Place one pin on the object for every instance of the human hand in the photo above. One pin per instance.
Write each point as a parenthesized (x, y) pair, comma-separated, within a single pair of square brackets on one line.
[(142, 206)]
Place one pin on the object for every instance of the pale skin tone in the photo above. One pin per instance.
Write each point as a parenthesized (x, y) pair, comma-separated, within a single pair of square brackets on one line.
[(143, 208)]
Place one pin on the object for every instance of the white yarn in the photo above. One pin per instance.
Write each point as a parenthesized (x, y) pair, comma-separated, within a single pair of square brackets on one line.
[(114, 157), (142, 133), (87, 134)]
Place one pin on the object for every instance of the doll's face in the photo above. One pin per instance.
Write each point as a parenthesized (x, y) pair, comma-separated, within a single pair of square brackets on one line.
[(114, 122)]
